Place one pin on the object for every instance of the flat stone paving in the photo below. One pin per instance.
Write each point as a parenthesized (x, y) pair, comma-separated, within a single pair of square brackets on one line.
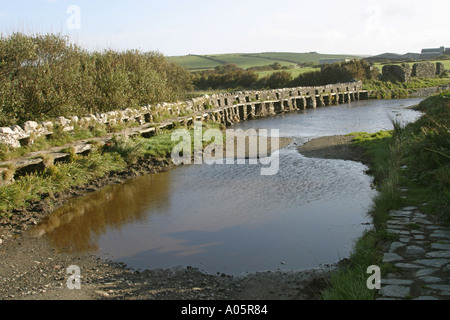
[(420, 256)]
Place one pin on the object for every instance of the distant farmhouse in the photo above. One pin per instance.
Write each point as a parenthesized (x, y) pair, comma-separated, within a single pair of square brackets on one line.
[(434, 52), (331, 61)]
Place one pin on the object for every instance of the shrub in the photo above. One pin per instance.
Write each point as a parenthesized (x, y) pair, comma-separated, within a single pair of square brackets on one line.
[(336, 73), (45, 76)]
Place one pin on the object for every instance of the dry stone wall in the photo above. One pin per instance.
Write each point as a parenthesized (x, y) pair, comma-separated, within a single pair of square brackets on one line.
[(405, 73), (424, 70), (226, 108), (393, 72)]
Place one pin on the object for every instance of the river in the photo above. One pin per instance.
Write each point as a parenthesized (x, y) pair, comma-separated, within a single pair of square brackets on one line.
[(231, 219)]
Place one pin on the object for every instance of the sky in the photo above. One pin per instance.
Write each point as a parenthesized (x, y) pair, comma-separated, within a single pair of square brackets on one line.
[(175, 27)]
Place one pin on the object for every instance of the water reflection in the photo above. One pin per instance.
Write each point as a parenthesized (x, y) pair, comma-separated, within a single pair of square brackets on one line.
[(78, 225)]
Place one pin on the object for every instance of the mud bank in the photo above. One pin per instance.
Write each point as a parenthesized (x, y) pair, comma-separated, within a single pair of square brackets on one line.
[(333, 147)]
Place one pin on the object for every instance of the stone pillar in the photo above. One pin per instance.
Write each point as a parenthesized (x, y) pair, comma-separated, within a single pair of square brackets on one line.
[(319, 101), (243, 112), (251, 111)]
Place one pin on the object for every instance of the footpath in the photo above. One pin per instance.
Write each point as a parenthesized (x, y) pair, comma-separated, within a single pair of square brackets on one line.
[(420, 257)]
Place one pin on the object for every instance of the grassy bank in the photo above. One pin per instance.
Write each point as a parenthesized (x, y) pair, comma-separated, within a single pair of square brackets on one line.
[(120, 154), (396, 90), (417, 157)]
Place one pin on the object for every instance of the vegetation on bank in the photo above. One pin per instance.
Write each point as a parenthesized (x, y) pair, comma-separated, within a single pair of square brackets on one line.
[(397, 90), (120, 154), (415, 156)]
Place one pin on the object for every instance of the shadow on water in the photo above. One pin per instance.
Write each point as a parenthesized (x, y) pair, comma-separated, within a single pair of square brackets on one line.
[(78, 225)]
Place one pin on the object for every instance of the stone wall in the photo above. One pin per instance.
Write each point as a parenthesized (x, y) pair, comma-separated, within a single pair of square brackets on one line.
[(394, 73), (424, 70), (404, 73), (440, 68), (226, 108)]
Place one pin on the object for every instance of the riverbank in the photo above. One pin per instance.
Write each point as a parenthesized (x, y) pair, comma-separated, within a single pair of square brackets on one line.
[(410, 241), (30, 269), (335, 147)]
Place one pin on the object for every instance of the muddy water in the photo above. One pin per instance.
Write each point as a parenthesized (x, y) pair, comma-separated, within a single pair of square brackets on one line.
[(231, 219)]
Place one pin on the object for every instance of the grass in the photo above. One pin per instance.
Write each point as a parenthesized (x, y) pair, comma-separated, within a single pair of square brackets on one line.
[(119, 154), (388, 90), (424, 148), (295, 72), (349, 283), (247, 60), (57, 178)]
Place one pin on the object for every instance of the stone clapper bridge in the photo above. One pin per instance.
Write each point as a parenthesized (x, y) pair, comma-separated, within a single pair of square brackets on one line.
[(224, 108)]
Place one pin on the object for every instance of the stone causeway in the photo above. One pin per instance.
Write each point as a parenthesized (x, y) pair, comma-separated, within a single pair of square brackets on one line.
[(420, 257)]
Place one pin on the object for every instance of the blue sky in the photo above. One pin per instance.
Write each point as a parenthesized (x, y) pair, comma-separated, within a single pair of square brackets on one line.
[(175, 27)]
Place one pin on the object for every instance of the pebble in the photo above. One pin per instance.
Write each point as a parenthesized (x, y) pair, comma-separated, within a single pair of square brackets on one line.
[(389, 257), (430, 279), (395, 245), (425, 272), (426, 298), (444, 289), (440, 246), (414, 250), (395, 291)]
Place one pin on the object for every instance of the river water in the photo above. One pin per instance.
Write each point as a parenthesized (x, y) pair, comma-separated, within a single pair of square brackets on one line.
[(231, 219)]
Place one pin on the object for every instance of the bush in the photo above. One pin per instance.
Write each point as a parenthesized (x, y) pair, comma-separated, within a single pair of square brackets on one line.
[(336, 73), (224, 77), (45, 76), (276, 80)]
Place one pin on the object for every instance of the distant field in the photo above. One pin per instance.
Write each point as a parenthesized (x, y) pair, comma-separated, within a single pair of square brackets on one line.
[(297, 58), (247, 60), (295, 72), (194, 62)]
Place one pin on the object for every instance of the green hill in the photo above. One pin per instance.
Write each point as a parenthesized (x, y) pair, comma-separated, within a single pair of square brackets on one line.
[(246, 60)]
